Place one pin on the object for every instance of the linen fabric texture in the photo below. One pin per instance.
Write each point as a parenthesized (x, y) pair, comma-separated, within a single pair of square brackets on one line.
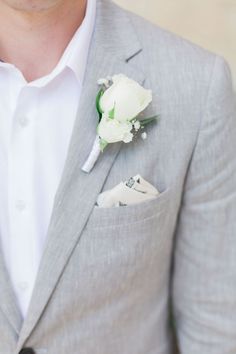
[(108, 278)]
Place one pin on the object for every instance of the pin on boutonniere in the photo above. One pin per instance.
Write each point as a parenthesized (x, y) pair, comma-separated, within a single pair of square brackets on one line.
[(119, 103)]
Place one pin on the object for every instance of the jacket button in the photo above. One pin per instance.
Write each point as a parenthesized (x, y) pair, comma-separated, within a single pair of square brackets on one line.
[(27, 351)]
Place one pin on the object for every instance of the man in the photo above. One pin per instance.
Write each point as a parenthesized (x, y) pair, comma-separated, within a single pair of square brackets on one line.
[(81, 279)]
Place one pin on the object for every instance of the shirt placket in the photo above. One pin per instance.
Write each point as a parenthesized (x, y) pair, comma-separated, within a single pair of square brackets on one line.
[(20, 192)]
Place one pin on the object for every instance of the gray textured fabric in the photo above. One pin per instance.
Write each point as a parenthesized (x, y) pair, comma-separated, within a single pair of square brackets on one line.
[(108, 276)]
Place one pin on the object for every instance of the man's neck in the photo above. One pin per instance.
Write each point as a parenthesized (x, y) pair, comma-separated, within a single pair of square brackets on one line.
[(35, 41)]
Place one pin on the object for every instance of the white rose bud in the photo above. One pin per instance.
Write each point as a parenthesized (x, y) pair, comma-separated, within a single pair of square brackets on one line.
[(112, 131), (127, 97)]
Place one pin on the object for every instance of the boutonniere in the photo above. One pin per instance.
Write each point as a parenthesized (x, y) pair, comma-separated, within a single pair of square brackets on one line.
[(119, 103)]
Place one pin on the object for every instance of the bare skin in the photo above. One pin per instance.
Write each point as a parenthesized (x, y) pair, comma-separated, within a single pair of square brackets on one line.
[(35, 33)]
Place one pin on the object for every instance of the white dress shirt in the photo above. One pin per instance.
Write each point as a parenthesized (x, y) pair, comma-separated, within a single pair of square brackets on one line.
[(36, 120)]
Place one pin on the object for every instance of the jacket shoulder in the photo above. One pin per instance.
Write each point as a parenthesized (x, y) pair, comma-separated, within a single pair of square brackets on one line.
[(173, 61), (160, 42), (160, 39)]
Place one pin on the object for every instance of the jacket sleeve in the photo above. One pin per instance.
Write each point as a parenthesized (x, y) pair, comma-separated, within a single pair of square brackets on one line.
[(204, 273)]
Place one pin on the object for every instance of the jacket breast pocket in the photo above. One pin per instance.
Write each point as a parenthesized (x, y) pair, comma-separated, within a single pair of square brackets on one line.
[(129, 235), (127, 215)]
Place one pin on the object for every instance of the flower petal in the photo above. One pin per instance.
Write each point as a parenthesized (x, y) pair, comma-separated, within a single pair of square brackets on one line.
[(112, 131), (127, 96)]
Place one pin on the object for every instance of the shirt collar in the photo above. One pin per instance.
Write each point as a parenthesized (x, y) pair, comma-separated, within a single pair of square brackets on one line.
[(76, 53)]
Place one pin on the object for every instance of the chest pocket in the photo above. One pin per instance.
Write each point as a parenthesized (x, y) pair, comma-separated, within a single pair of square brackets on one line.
[(116, 217), (129, 234)]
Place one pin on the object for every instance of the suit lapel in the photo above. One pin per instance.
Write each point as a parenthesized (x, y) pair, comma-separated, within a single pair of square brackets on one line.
[(77, 192)]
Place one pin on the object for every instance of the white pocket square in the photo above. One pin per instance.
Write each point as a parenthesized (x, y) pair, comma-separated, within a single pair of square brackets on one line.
[(135, 190)]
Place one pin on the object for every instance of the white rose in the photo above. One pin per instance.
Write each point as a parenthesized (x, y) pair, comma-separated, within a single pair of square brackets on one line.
[(127, 96), (112, 131)]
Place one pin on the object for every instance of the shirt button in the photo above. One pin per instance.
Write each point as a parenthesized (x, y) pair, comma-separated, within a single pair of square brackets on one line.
[(23, 121), (23, 285), (20, 205)]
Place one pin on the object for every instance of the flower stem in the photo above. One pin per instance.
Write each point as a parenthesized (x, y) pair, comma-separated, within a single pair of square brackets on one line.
[(93, 156)]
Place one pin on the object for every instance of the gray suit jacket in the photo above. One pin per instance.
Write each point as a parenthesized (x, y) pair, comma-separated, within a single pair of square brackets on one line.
[(109, 277)]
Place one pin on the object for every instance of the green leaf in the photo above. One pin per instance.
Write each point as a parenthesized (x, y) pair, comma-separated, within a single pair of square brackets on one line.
[(99, 110), (147, 121), (112, 113), (103, 144)]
